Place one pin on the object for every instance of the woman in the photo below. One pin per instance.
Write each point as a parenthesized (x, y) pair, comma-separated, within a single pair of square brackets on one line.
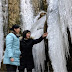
[(26, 44), (12, 52)]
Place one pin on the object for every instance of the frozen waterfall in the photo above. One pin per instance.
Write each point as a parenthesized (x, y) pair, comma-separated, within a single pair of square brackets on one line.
[(26, 14), (59, 17), (57, 35)]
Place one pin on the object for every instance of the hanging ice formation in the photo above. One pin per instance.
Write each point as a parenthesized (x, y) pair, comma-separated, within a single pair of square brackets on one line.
[(1, 33), (26, 14), (65, 20), (39, 49), (66, 11), (5, 16), (57, 33)]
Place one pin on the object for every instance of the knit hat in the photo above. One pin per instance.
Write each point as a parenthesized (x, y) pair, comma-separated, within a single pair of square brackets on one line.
[(25, 32)]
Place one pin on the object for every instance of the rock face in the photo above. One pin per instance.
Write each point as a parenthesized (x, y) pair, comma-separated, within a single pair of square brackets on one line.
[(39, 5), (13, 10)]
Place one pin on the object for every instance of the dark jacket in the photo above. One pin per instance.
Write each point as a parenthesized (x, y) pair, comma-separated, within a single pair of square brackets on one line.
[(26, 60)]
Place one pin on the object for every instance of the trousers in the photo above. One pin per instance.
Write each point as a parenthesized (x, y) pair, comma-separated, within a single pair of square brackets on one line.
[(11, 68)]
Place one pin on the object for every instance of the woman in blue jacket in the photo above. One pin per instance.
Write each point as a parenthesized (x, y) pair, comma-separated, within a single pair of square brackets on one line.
[(12, 52)]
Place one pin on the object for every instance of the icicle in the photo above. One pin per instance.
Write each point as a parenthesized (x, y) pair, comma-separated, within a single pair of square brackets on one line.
[(38, 25), (1, 33), (38, 49), (68, 8), (26, 14), (5, 16), (37, 19), (55, 38), (67, 13), (64, 24)]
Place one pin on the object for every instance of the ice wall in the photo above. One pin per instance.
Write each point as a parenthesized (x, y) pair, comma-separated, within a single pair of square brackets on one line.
[(57, 34)]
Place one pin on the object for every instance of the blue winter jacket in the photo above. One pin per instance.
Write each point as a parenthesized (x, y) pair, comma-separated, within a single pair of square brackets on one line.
[(12, 50)]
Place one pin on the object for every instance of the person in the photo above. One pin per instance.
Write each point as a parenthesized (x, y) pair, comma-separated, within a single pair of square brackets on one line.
[(12, 51), (26, 44)]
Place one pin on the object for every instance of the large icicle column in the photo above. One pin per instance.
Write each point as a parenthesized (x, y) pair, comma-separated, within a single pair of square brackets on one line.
[(57, 37), (26, 14), (65, 9), (65, 20), (1, 33), (39, 49)]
